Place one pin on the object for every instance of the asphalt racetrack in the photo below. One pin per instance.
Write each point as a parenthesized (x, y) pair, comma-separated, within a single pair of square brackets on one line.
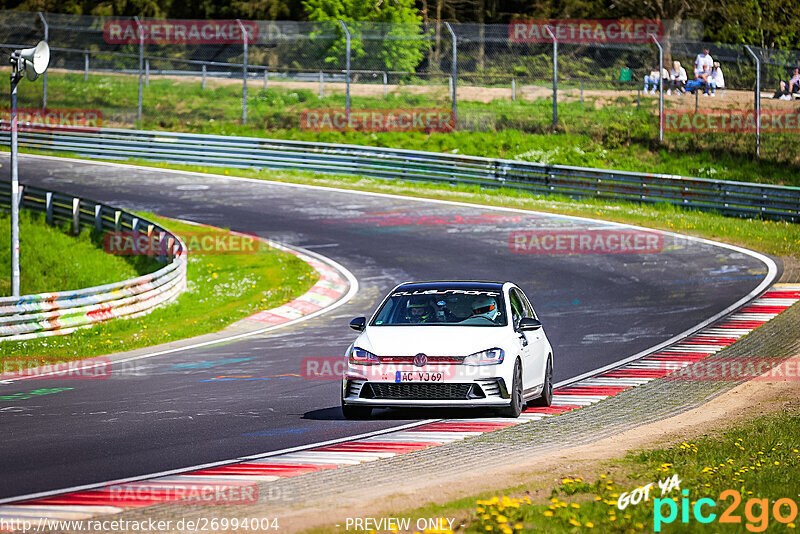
[(173, 412)]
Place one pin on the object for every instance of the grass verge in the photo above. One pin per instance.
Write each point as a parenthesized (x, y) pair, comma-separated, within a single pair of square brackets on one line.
[(42, 252), (615, 133), (222, 288)]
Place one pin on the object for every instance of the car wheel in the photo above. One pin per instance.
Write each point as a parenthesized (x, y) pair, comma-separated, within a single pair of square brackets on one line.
[(515, 408), (546, 398), (356, 412)]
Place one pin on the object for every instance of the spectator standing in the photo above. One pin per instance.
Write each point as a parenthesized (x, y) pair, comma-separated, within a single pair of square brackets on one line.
[(677, 78), (716, 79)]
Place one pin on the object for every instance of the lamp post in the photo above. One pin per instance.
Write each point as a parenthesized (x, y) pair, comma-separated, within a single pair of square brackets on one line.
[(32, 62)]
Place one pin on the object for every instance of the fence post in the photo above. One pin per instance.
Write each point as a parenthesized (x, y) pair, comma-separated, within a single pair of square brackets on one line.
[(321, 85), (147, 72), (347, 69), (266, 78), (454, 75), (581, 92), (140, 31), (757, 100), (44, 76), (555, 74), (513, 89), (244, 71), (86, 67), (660, 89), (204, 76), (385, 83)]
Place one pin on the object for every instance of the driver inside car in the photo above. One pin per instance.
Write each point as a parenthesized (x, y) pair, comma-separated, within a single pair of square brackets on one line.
[(419, 310), (485, 307)]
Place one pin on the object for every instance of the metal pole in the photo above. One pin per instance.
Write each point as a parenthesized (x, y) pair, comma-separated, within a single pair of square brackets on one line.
[(204, 76), (86, 67), (757, 100), (555, 75), (321, 86), (581, 91), (141, 63), (44, 76), (147, 72), (14, 183), (454, 75), (513, 89), (660, 89), (266, 77), (244, 72), (385, 83), (347, 69)]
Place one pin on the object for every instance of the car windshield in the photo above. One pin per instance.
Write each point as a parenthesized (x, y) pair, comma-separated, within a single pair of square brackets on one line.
[(443, 307)]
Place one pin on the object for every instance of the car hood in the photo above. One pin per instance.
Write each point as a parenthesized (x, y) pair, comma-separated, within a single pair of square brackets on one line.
[(431, 340)]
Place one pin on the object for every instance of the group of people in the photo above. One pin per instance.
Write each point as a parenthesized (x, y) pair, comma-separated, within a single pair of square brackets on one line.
[(788, 90), (707, 76)]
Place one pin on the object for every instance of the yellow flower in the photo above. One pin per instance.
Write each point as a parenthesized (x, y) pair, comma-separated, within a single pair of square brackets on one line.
[(567, 481), (547, 513), (575, 523), (589, 524), (777, 462), (501, 519), (575, 505)]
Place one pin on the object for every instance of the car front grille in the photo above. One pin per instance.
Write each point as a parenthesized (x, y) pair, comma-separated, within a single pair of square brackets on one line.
[(422, 391)]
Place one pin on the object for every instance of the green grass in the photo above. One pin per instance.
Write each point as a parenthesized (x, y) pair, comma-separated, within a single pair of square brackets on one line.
[(222, 288), (43, 249), (759, 460), (615, 136)]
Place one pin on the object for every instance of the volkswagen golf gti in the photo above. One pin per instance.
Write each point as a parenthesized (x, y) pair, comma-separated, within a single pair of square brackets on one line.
[(449, 344)]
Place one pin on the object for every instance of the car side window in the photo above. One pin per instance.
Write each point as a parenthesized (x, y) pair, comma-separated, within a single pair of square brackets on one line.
[(528, 308), (517, 308)]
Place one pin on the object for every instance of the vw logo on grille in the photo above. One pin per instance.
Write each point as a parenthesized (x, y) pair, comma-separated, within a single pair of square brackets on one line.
[(420, 360)]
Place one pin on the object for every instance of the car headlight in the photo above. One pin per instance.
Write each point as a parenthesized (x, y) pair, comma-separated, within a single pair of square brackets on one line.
[(485, 357), (362, 357)]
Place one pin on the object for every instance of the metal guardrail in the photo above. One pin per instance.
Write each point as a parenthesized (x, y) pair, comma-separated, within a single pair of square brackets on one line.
[(727, 197), (45, 314)]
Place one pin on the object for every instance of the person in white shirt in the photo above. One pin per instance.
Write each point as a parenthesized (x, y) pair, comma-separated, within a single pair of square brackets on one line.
[(677, 78), (703, 59), (716, 79), (654, 80)]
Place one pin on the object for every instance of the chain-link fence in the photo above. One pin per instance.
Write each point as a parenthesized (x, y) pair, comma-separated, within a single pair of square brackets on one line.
[(269, 78)]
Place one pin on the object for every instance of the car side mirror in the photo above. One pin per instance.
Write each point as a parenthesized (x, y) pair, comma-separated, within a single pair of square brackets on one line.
[(359, 324), (529, 323)]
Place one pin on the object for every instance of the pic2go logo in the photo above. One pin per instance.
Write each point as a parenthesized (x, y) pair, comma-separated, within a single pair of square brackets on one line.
[(756, 511)]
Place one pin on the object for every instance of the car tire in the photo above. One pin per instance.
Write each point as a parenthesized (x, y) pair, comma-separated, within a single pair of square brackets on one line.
[(517, 402), (546, 398), (356, 412)]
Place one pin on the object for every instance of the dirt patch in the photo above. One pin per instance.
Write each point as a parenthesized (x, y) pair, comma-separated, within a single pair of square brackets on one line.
[(749, 400)]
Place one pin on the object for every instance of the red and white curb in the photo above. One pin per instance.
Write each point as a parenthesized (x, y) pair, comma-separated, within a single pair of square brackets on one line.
[(584, 392)]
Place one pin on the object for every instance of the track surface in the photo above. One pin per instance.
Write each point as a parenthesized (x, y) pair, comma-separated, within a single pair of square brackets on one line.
[(170, 413)]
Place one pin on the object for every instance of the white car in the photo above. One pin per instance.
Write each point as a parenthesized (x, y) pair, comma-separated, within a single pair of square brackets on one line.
[(449, 344)]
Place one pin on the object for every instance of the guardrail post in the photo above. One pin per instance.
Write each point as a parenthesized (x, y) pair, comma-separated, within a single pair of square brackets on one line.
[(76, 216), (347, 69), (757, 100), (321, 86), (44, 76), (98, 218), (660, 89), (203, 86), (454, 75), (147, 73), (135, 224), (117, 220), (244, 71), (555, 75), (86, 67), (48, 207), (140, 31)]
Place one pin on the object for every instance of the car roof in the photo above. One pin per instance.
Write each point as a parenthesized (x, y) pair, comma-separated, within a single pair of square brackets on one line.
[(452, 284)]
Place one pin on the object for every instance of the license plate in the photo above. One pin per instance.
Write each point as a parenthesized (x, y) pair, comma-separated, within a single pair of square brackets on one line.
[(418, 376)]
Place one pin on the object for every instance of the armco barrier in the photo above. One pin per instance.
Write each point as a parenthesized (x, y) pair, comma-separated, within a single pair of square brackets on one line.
[(731, 198), (46, 314)]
